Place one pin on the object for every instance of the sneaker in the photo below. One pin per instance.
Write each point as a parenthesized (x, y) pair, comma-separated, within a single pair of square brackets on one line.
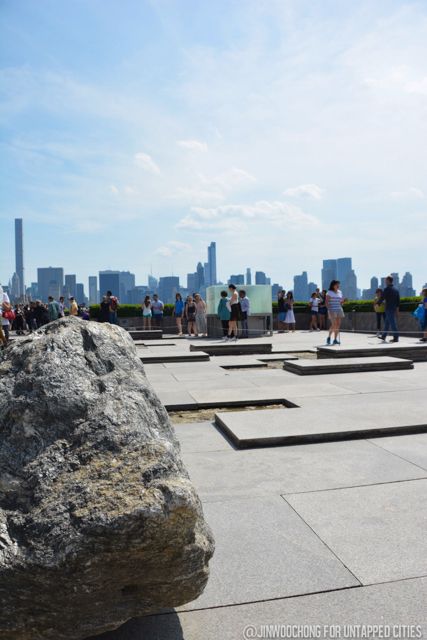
[(328, 341), (395, 340), (381, 338), (317, 329)]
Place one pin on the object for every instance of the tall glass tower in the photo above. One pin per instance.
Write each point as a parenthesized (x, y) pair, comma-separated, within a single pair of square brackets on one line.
[(19, 255)]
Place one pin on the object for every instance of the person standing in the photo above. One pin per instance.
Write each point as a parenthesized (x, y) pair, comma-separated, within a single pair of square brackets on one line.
[(190, 314), (234, 308), (61, 307), (391, 298), (53, 309), (6, 310), (224, 313), (281, 302), (314, 310), (334, 303), (74, 307), (290, 316), (178, 312), (201, 322), (146, 313), (379, 308), (114, 306), (245, 307), (423, 322), (157, 308), (323, 311), (104, 310)]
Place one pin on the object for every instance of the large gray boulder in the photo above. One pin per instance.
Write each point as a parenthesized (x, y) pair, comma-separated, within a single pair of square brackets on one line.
[(98, 519)]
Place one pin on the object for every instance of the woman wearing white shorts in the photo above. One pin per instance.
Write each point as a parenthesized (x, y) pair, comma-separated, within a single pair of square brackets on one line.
[(334, 303)]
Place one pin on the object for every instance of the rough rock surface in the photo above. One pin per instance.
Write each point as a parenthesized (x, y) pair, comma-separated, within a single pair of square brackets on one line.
[(98, 519)]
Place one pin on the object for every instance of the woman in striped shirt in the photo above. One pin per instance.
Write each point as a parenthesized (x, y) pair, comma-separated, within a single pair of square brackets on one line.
[(334, 303)]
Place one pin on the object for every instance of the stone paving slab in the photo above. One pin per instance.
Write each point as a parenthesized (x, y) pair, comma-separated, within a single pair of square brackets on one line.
[(276, 357), (412, 448), (154, 334), (270, 427), (379, 532), (346, 365), (282, 470), (415, 352), (264, 550), (200, 437), (238, 362), (234, 397), (151, 357), (398, 603), (241, 347)]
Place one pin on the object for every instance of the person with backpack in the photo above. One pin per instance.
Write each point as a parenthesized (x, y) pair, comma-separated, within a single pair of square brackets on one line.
[(391, 298), (223, 314), (113, 307), (420, 314), (53, 309), (245, 307)]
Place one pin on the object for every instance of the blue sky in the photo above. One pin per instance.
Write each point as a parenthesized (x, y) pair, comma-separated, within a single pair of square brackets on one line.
[(135, 132)]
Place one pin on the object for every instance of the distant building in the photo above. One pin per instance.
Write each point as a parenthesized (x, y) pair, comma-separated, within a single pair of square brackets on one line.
[(312, 286), (301, 287), (275, 288), (237, 279), (15, 288), (261, 278), (93, 290), (192, 282), (50, 282), (80, 293), (70, 286), (152, 283), (138, 293), (118, 282), (340, 269), (406, 286), (211, 275), (168, 288), (19, 257), (248, 276)]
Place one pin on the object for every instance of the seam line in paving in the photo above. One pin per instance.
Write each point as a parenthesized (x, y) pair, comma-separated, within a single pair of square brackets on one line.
[(396, 454), (354, 486), (178, 610), (323, 542)]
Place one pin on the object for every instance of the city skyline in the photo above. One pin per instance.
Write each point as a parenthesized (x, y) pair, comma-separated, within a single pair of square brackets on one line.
[(53, 281), (282, 129)]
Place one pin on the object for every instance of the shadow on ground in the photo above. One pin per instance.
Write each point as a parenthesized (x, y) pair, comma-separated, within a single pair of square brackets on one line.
[(161, 627)]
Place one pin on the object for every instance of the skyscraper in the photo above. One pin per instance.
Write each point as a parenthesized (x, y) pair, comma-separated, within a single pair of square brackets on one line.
[(118, 282), (93, 289), (80, 293), (19, 256), (50, 282), (261, 278), (168, 288), (211, 276), (237, 279), (70, 285), (301, 287), (248, 276), (329, 272)]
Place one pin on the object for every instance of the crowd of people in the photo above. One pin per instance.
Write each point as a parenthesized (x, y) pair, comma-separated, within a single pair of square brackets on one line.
[(26, 318), (233, 312)]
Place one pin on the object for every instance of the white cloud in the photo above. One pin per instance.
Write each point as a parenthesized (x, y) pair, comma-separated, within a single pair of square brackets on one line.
[(237, 216), (114, 190), (172, 248), (412, 192), (193, 145), (147, 163), (305, 191)]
